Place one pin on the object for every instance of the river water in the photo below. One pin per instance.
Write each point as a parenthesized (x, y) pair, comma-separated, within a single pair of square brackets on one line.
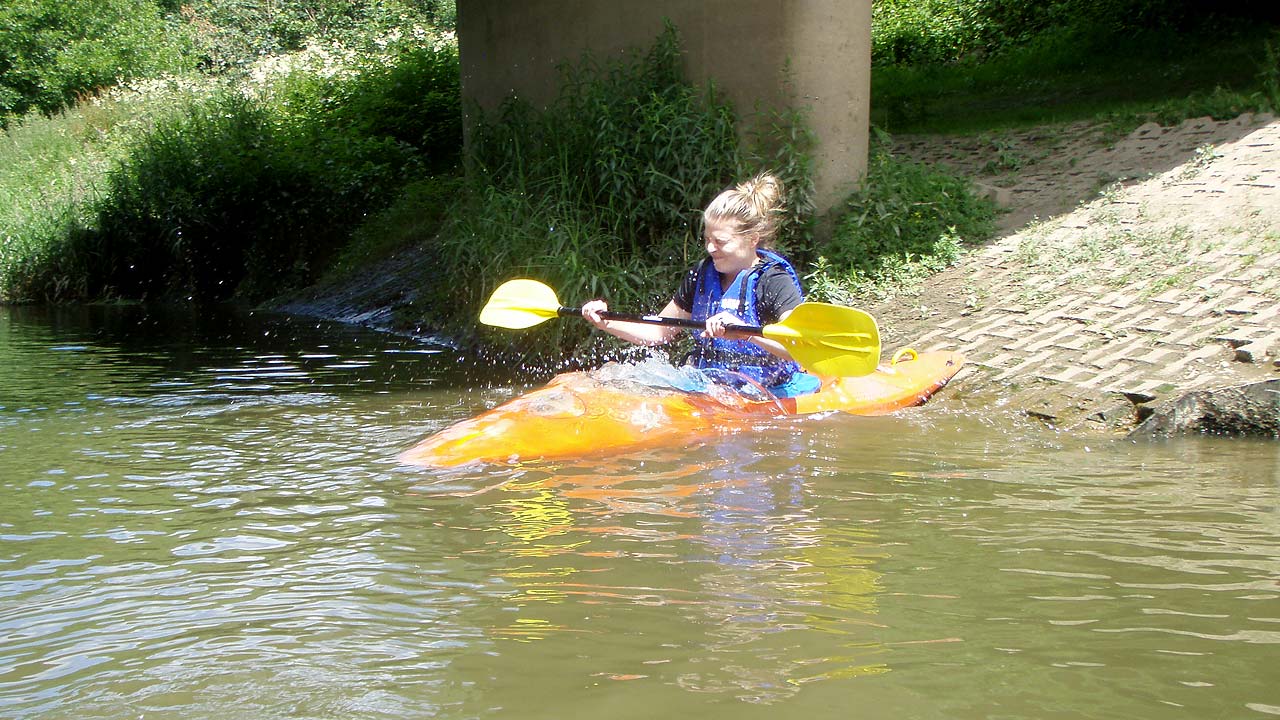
[(202, 516)]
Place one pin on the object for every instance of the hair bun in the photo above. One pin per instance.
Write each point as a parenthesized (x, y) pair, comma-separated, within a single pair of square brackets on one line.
[(764, 191), (756, 205)]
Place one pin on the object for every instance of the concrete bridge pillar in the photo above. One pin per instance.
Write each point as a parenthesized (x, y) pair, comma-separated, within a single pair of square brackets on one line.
[(512, 47)]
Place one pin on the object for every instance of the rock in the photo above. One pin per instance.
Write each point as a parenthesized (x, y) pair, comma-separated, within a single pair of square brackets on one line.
[(1255, 352), (1252, 409), (1002, 197)]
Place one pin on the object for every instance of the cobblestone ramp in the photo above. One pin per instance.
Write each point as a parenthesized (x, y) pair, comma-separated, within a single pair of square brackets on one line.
[(1151, 290)]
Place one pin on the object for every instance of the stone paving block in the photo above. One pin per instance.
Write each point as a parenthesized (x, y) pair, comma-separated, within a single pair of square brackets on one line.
[(1047, 338), (1198, 355), (1013, 309), (1245, 305), (1061, 309), (1242, 335), (1017, 370), (1106, 375), (1195, 334), (1002, 337), (1104, 355), (1134, 318), (1168, 296), (1210, 282), (1270, 284), (1090, 315), (997, 362), (1110, 298), (1190, 308), (1078, 341), (1146, 387), (985, 328), (1157, 356), (1259, 350), (1267, 315), (936, 333), (1133, 384), (1123, 298), (1227, 293), (1067, 374), (1158, 323)]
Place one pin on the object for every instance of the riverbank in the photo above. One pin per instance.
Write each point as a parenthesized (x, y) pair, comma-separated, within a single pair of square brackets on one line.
[(1128, 272)]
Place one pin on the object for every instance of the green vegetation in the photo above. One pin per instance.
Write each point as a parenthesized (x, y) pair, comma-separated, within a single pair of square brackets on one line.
[(905, 222), (287, 141), (600, 194), (986, 64), (53, 52), (230, 34), (224, 191)]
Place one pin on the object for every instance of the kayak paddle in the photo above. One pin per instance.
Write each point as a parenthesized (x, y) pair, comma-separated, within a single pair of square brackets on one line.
[(828, 340)]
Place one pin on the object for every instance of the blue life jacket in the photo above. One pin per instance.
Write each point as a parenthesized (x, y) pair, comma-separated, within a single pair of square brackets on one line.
[(740, 299)]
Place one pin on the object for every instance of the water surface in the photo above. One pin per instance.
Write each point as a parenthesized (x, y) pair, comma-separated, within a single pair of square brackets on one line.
[(201, 515)]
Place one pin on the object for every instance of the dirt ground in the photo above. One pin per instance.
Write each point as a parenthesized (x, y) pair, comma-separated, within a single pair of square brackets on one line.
[(1127, 270)]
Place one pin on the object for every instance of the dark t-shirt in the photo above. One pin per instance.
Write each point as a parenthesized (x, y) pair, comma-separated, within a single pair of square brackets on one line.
[(776, 294)]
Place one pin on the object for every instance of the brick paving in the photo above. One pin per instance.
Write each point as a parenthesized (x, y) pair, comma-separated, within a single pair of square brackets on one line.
[(1165, 283)]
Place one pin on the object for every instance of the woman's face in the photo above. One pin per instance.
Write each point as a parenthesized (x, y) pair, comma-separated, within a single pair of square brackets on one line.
[(731, 251)]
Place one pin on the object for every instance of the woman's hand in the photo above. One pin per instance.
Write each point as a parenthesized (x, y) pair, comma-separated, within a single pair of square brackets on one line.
[(591, 312), (721, 326)]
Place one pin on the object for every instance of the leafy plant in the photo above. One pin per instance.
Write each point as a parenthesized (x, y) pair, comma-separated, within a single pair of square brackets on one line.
[(906, 220), (53, 52), (601, 194), (238, 194), (628, 139)]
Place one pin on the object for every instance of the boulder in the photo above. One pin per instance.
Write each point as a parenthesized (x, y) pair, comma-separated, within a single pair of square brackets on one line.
[(1252, 409)]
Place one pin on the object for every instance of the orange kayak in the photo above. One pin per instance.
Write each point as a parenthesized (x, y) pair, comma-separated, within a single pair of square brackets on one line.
[(579, 414)]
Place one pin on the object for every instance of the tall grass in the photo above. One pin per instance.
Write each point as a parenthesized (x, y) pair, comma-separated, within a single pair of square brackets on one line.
[(1159, 74), (600, 194), (905, 221), (52, 172), (238, 193)]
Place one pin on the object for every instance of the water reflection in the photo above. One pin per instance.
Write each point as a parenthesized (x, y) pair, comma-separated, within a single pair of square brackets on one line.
[(210, 521), (757, 572)]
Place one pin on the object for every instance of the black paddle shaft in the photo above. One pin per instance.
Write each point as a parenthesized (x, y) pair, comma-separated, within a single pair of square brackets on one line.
[(658, 320)]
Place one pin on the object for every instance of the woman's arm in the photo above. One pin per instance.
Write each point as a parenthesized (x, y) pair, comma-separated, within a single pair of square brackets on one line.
[(638, 333)]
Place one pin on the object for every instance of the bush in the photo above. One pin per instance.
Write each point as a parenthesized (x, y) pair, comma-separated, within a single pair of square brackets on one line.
[(230, 34), (598, 195), (52, 52), (943, 31), (629, 142), (904, 218), (245, 195), (223, 199), (601, 194), (412, 96)]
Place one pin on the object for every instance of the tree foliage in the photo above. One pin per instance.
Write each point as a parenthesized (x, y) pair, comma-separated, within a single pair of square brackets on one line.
[(51, 52), (939, 31)]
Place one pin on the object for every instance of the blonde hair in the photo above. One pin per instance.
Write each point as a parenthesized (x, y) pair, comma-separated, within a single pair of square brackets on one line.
[(755, 206)]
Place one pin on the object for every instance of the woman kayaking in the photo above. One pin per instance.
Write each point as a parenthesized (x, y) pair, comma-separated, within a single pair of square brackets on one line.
[(740, 282)]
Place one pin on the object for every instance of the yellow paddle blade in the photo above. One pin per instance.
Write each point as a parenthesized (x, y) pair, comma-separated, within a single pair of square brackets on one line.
[(518, 304), (829, 340)]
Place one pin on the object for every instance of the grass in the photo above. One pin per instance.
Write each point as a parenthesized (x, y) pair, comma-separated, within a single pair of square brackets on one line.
[(1065, 78), (54, 168), (209, 190)]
